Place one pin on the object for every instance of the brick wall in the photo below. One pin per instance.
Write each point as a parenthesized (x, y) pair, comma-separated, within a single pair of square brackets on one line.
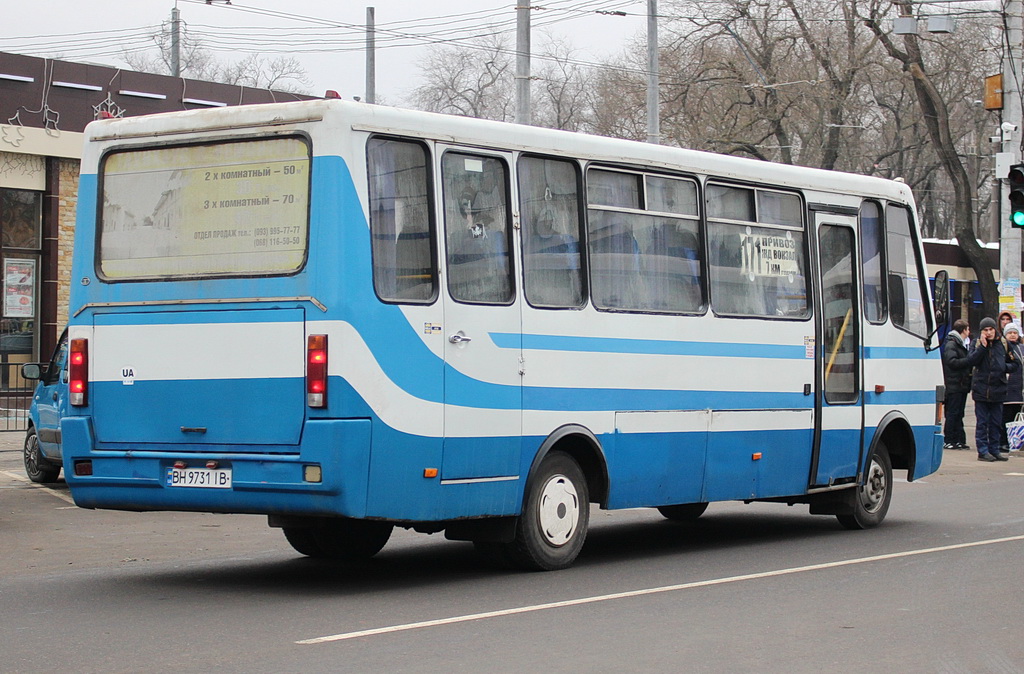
[(67, 211)]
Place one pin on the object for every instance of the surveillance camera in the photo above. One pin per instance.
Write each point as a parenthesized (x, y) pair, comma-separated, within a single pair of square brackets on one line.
[(1007, 127)]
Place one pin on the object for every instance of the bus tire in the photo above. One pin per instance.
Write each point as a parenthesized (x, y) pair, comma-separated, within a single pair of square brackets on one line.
[(556, 512), (870, 501), (303, 540), (684, 512), (37, 468), (345, 540)]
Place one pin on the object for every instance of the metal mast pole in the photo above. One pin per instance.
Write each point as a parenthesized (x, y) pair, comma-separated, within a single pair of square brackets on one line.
[(175, 42), (1009, 236), (523, 63), (653, 116), (371, 58)]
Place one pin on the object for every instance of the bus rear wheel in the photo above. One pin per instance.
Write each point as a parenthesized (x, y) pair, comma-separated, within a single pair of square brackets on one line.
[(556, 513), (684, 512), (871, 500), (340, 539)]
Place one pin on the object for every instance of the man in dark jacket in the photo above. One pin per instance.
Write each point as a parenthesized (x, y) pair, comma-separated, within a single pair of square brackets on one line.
[(956, 374), (991, 362)]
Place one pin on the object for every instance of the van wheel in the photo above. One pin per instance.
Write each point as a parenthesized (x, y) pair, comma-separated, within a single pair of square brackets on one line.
[(870, 501), (37, 468), (556, 513), (340, 539), (684, 512)]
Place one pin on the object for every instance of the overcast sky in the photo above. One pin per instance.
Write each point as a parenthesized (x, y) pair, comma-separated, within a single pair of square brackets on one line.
[(325, 35)]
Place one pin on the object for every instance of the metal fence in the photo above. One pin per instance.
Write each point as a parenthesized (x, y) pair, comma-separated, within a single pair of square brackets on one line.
[(15, 397)]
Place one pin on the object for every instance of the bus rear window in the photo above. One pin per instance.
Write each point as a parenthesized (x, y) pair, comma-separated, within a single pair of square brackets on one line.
[(223, 209)]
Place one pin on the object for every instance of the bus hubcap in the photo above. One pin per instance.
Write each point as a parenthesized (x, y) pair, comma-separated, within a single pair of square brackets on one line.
[(874, 488), (559, 510)]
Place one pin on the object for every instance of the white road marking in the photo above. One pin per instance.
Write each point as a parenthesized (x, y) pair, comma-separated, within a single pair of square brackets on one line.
[(654, 590), (21, 478)]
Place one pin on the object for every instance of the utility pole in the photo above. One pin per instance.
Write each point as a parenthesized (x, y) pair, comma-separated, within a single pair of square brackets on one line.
[(653, 114), (1011, 130), (371, 58), (523, 63), (175, 42)]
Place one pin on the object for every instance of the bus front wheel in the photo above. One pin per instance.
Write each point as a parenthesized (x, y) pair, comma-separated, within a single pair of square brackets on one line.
[(340, 539), (556, 513), (870, 501)]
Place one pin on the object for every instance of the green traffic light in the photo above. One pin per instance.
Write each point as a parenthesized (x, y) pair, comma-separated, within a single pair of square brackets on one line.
[(1018, 218)]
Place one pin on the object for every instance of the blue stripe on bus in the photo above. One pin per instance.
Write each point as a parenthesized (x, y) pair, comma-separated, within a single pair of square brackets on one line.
[(611, 400), (900, 353), (897, 398), (676, 348), (646, 346)]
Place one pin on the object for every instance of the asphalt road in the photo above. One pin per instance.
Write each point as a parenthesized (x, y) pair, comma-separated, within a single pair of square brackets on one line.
[(758, 588)]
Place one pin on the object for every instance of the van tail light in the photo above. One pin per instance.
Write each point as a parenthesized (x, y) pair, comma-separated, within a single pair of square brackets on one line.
[(78, 372), (316, 371)]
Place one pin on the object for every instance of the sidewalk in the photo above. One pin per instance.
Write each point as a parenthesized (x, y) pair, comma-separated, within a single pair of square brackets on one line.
[(12, 440), (960, 458)]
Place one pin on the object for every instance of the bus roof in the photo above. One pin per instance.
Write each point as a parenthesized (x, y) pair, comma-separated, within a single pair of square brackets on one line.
[(490, 134)]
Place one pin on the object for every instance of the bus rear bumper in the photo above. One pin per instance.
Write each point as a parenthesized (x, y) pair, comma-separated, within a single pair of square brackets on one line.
[(261, 483)]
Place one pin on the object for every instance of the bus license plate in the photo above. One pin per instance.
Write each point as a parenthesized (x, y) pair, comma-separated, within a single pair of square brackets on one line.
[(216, 478)]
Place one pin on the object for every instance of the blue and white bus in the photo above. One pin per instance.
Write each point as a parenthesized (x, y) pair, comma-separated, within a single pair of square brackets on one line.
[(350, 317)]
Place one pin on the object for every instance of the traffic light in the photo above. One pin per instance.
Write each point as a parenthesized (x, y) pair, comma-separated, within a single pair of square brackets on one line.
[(1015, 178)]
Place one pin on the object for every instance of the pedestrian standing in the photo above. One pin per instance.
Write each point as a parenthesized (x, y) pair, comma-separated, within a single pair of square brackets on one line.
[(1014, 381), (1005, 318), (956, 374), (991, 362)]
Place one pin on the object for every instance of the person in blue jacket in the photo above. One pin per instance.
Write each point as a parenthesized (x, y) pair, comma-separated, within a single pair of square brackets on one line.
[(992, 362)]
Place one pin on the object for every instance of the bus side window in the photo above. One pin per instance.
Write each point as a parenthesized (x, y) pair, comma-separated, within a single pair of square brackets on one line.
[(550, 212), (756, 270), (400, 221), (872, 243), (476, 212)]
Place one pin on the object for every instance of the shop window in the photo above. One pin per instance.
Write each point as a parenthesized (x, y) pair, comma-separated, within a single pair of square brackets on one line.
[(20, 226)]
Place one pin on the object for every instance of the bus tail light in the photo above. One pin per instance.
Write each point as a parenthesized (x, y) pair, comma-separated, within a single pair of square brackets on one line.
[(316, 371), (78, 372)]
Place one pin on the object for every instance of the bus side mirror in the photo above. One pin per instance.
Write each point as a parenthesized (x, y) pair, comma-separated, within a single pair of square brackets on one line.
[(31, 371), (941, 298)]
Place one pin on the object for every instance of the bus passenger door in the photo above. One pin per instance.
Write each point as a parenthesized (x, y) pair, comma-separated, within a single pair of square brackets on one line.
[(482, 381), (839, 403)]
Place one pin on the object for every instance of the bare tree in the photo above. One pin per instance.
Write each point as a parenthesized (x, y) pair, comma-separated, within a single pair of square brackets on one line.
[(472, 82), (562, 95), (197, 62), (284, 73)]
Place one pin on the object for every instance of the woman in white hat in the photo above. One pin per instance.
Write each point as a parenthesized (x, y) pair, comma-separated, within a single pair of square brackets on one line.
[(1014, 382)]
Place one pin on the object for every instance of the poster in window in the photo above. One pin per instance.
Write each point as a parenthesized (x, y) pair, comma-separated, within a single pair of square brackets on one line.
[(19, 288)]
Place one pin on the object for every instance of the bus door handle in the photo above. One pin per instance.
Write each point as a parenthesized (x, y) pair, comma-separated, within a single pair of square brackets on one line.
[(459, 338)]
